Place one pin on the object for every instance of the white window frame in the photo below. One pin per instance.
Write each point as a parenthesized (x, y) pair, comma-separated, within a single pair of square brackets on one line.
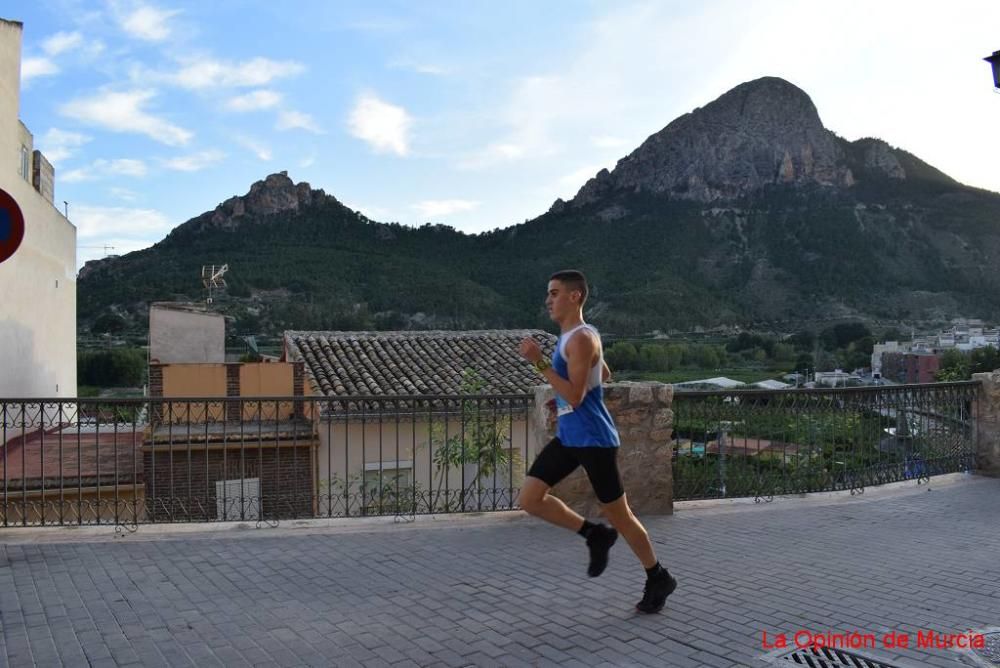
[(25, 166)]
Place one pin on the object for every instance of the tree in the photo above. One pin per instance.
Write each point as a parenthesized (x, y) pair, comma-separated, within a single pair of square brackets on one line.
[(842, 334), (803, 362), (803, 340), (622, 355), (119, 367), (483, 440), (109, 323), (705, 356), (984, 360), (954, 366), (654, 357)]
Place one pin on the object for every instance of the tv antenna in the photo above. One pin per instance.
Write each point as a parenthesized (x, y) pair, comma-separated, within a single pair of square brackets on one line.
[(211, 278)]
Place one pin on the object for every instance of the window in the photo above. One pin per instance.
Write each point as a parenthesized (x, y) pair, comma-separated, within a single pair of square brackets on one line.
[(388, 486), (25, 164), (392, 472), (237, 499)]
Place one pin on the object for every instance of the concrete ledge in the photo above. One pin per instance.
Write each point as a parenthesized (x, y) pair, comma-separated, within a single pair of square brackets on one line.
[(892, 489), (107, 532)]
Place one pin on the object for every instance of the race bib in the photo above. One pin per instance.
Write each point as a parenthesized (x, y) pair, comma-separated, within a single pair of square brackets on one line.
[(563, 407)]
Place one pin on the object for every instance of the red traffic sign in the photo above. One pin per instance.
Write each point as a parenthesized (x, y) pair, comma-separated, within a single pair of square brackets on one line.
[(11, 226)]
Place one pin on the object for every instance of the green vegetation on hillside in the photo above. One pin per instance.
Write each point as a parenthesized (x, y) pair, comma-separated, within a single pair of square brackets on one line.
[(885, 249)]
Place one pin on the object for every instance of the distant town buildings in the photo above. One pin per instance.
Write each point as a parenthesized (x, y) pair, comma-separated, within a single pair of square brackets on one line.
[(919, 360)]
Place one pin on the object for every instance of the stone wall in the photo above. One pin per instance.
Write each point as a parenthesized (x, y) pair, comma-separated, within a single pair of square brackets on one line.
[(642, 412), (988, 423)]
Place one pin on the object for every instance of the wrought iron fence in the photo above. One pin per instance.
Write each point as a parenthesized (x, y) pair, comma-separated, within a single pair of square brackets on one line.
[(124, 462), (764, 443)]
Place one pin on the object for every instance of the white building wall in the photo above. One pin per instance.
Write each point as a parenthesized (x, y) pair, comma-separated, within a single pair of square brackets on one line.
[(185, 335), (38, 283), (348, 449)]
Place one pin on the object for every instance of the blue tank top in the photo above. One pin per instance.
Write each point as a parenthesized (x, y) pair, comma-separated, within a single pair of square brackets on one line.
[(589, 424)]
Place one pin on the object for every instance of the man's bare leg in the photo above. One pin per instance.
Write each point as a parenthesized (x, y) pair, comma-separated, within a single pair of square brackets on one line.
[(631, 529), (659, 583), (536, 500)]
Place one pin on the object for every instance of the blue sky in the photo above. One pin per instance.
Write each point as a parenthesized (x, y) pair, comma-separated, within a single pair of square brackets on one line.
[(473, 114)]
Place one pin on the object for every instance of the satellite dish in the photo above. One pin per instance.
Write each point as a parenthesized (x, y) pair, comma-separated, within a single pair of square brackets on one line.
[(212, 278)]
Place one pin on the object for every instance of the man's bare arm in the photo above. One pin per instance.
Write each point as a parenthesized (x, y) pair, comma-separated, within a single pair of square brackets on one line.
[(580, 351)]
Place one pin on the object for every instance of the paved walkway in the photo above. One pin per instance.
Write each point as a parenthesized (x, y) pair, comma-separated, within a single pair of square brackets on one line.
[(508, 590)]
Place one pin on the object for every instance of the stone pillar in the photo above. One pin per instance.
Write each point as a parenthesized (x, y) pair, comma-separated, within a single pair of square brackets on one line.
[(987, 414), (643, 415)]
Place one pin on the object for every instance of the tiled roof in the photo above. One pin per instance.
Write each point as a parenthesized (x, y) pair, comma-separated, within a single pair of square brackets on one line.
[(71, 459), (344, 364)]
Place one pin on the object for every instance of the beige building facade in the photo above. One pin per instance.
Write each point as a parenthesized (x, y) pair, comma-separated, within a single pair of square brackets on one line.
[(37, 283), (181, 333), (386, 460)]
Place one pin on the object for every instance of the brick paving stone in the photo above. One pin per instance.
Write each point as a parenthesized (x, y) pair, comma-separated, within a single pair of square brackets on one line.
[(512, 593)]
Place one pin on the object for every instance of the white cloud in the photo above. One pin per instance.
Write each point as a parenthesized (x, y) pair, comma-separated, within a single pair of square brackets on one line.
[(147, 22), (58, 145), (384, 126), (262, 151), (420, 67), (104, 222), (37, 67), (308, 161), (62, 42), (495, 153), (254, 101), (123, 112), (101, 168), (194, 162), (292, 120), (123, 194), (438, 208), (208, 73)]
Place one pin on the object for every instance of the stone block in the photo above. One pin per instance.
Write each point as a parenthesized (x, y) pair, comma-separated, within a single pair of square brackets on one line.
[(663, 418), (988, 423), (640, 393)]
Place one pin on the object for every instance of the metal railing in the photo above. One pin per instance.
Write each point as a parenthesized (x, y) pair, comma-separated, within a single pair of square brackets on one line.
[(765, 443), (125, 462)]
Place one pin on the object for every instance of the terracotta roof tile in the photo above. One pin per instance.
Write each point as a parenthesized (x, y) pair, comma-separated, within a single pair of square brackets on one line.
[(342, 364)]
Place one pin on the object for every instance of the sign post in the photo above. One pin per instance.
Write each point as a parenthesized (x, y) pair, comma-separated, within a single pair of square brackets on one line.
[(11, 226)]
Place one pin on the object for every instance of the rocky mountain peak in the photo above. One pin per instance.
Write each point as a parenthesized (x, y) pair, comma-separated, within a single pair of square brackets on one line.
[(274, 194), (761, 132)]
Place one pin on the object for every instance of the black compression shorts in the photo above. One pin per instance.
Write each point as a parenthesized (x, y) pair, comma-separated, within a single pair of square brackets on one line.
[(556, 461)]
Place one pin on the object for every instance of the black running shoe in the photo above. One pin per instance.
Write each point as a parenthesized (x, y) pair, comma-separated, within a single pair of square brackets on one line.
[(599, 541), (656, 591)]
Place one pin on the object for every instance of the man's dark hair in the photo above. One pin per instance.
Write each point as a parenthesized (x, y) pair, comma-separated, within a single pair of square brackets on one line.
[(574, 280)]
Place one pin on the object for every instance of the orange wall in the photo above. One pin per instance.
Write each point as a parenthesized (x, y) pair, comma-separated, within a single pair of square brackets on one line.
[(194, 380), (266, 380), (269, 379)]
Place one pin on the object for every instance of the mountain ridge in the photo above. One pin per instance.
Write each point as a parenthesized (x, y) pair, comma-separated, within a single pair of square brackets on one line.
[(740, 211)]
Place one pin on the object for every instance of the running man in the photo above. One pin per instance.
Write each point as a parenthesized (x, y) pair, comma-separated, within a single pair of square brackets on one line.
[(586, 436)]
